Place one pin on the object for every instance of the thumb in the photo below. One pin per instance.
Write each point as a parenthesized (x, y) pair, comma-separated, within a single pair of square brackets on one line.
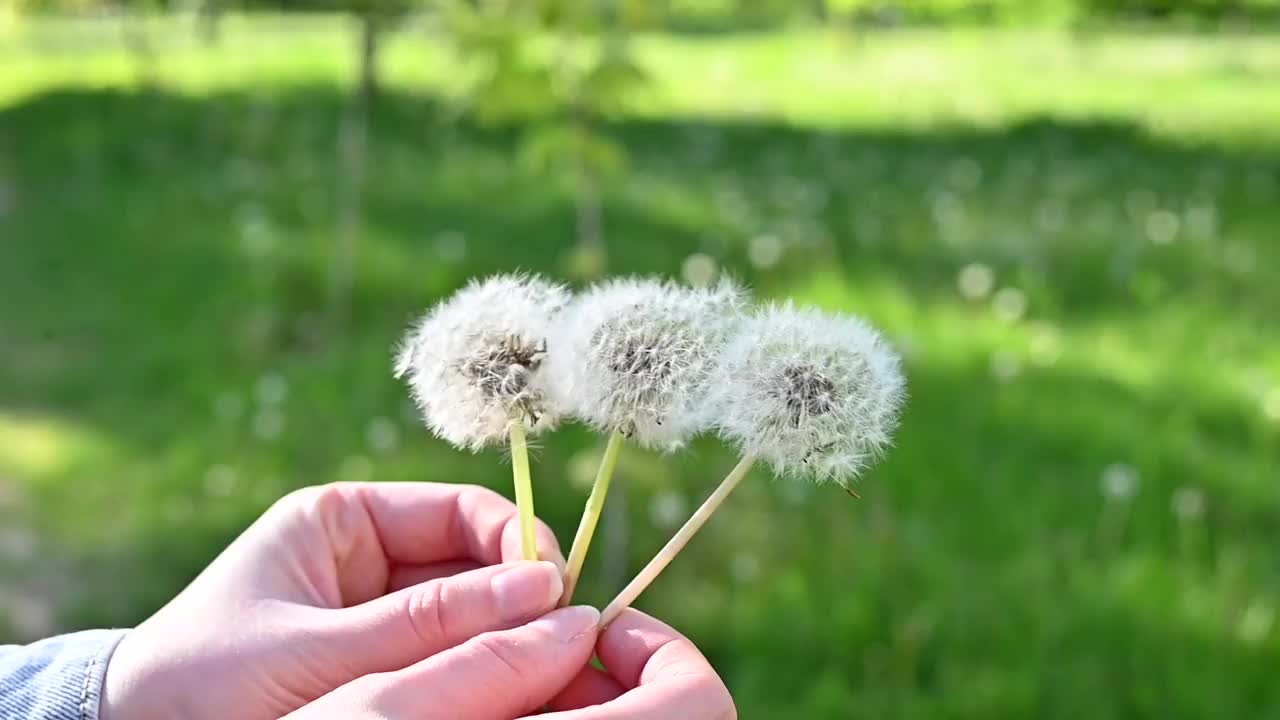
[(400, 629), (497, 675)]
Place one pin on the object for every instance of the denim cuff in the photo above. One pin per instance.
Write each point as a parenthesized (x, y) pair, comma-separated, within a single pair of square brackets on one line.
[(59, 678)]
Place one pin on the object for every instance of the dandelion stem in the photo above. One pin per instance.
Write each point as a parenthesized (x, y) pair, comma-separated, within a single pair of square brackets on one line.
[(677, 543), (590, 516), (524, 490)]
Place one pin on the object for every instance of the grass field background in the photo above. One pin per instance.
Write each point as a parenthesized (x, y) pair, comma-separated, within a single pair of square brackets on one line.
[(1072, 238)]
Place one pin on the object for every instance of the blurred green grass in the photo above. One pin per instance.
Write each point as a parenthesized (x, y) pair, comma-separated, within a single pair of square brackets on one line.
[(1071, 237)]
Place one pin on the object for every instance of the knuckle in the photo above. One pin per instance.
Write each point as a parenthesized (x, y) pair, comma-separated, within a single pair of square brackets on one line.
[(506, 656), (426, 611), (315, 497)]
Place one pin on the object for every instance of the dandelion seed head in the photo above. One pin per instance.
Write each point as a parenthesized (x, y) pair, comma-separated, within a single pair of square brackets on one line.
[(637, 356), (812, 394), (474, 362)]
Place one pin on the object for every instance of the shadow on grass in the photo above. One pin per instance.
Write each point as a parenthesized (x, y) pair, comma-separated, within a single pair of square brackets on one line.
[(167, 275)]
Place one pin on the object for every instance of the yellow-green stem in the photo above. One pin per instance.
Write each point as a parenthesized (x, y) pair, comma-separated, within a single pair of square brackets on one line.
[(677, 542), (590, 517), (524, 490)]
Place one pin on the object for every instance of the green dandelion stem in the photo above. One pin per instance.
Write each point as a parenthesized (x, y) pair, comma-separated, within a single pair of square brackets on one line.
[(677, 543), (590, 516), (524, 490)]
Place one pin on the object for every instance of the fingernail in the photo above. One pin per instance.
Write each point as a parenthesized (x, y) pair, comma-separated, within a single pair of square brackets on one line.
[(526, 589), (569, 624)]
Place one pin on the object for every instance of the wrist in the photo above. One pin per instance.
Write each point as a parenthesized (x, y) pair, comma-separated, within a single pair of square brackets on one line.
[(124, 693)]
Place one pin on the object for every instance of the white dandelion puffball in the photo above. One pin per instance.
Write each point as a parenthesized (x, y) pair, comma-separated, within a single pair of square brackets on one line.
[(815, 395), (474, 363), (636, 356)]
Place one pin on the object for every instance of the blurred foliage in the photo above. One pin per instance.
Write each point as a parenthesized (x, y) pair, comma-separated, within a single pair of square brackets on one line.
[(1069, 235)]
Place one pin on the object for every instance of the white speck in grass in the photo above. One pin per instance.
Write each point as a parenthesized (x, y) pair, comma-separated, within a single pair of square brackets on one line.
[(1188, 503), (475, 362), (17, 543), (1202, 221), (814, 395), (765, 251), (745, 567), (1271, 404), (228, 406), (1046, 345), (1005, 366), (1120, 482), (1009, 304), (355, 468), (382, 435), (582, 468), (699, 269), (1162, 227), (1256, 622), (667, 509), (975, 281), (31, 616), (637, 356), (219, 481), (257, 238), (451, 246), (1240, 258), (268, 424), (272, 389)]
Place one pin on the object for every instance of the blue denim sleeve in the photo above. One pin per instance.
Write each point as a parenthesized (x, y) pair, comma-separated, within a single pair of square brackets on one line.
[(56, 679)]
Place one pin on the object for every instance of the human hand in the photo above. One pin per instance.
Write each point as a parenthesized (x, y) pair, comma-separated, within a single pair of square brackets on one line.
[(331, 584), (653, 674)]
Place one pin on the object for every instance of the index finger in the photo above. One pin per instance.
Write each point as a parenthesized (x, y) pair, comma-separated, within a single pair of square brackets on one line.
[(426, 523), (667, 675)]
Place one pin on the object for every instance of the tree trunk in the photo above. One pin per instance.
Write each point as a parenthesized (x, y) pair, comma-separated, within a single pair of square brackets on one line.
[(209, 22), (353, 159), (370, 35)]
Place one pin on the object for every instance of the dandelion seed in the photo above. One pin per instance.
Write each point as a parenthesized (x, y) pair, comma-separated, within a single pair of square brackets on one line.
[(268, 424), (812, 395), (219, 480), (382, 435), (1162, 227), (474, 362), (699, 269), (17, 543), (1256, 622), (475, 367), (1005, 366), (666, 509), (765, 251), (272, 389), (975, 281), (1119, 482), (637, 356), (1046, 346), (634, 358), (1188, 503), (1009, 304)]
